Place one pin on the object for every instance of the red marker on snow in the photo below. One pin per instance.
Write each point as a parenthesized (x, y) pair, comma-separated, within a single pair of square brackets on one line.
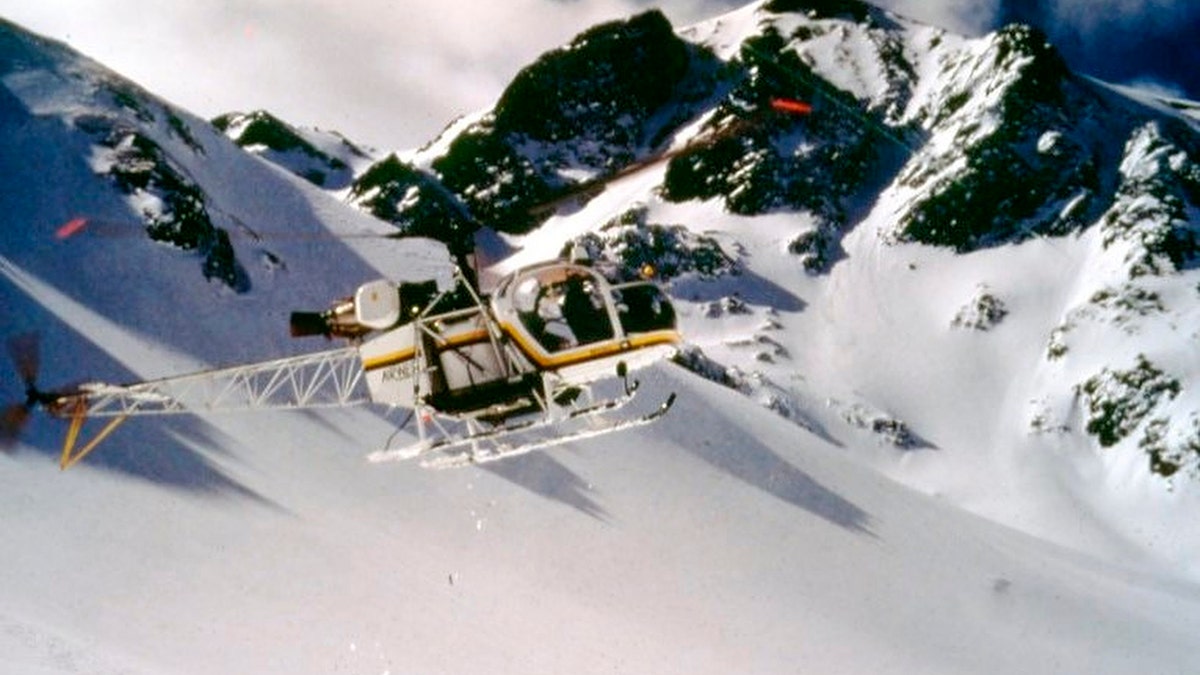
[(71, 227), (788, 105)]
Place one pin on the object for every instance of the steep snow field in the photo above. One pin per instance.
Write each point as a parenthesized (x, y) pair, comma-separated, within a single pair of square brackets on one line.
[(698, 546)]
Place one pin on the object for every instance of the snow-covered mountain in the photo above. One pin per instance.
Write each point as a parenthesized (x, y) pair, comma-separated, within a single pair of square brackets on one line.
[(939, 411), (922, 143)]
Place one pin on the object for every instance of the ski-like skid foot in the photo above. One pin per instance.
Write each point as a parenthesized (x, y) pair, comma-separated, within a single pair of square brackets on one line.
[(508, 441), (398, 454), (446, 458)]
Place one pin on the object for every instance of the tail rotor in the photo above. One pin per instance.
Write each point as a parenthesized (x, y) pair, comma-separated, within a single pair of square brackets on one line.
[(12, 421), (26, 357)]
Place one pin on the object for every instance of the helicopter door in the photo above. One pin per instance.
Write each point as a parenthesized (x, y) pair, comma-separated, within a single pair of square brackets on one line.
[(563, 308)]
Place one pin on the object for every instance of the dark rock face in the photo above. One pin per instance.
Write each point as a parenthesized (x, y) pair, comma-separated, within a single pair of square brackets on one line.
[(589, 109), (174, 208), (264, 134), (415, 202)]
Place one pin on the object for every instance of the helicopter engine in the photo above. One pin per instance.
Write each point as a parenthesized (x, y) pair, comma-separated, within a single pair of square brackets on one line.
[(376, 305)]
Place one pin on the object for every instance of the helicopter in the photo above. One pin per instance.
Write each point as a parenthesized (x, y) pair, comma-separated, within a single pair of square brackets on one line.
[(485, 376), (542, 359)]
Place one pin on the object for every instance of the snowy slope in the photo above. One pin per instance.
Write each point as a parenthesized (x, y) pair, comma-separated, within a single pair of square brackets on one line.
[(726, 538), (738, 552)]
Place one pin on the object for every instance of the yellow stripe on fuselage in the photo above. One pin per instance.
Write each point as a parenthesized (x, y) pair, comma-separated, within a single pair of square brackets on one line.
[(590, 352), (391, 359), (534, 351)]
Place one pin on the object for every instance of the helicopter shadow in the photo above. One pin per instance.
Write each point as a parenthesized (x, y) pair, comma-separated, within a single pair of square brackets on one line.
[(757, 465), (170, 454), (753, 462), (175, 454), (546, 477)]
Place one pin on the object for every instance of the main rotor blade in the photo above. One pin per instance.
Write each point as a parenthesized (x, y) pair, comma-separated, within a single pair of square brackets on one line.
[(120, 229)]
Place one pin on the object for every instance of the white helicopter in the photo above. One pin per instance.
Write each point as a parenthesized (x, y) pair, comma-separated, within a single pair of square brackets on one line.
[(486, 376)]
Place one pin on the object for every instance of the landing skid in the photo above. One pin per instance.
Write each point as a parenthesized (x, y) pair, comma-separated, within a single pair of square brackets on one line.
[(491, 444)]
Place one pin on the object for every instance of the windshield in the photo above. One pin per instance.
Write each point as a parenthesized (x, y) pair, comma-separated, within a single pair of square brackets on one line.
[(642, 307), (563, 309)]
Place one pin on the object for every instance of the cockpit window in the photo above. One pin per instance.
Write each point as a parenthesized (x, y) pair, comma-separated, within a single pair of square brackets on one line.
[(525, 296), (643, 308), (563, 309)]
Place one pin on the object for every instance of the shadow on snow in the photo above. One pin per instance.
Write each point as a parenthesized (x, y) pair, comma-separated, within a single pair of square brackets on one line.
[(545, 476)]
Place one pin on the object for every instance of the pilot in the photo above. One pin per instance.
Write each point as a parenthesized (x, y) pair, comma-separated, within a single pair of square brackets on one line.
[(556, 334), (585, 311)]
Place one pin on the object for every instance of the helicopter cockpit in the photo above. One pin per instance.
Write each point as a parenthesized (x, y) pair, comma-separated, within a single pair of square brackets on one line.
[(566, 306)]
